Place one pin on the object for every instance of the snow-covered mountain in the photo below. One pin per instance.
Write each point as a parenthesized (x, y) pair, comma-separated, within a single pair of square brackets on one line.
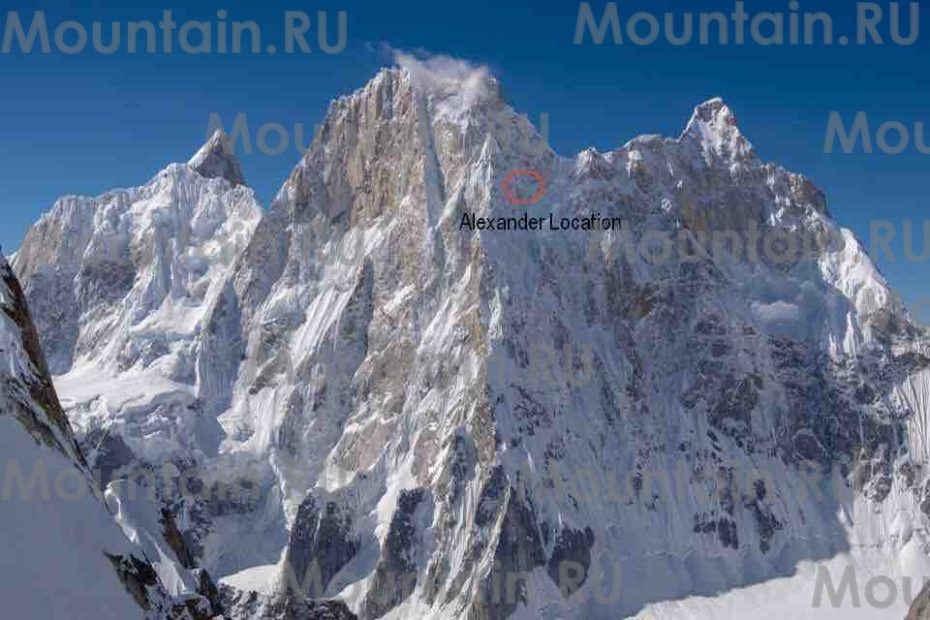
[(441, 421), (65, 555)]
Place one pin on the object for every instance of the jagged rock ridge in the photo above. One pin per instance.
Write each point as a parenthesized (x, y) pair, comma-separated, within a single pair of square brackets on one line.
[(377, 369)]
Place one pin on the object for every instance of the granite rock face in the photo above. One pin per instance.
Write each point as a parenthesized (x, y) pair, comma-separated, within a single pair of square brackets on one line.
[(452, 421), (216, 160)]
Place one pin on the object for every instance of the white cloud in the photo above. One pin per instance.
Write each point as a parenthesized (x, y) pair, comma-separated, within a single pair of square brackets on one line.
[(445, 75)]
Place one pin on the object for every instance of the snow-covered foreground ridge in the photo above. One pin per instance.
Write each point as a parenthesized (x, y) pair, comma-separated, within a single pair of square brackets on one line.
[(65, 556), (445, 422)]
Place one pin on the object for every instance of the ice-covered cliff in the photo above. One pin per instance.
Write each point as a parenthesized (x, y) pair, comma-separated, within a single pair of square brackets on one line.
[(65, 555), (445, 421)]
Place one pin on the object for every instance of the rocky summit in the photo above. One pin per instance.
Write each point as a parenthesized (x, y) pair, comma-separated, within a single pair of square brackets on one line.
[(421, 419)]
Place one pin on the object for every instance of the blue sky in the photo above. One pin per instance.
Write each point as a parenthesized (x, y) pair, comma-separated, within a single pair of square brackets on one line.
[(88, 122)]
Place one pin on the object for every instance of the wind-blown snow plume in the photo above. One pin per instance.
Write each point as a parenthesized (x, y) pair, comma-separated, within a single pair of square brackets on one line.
[(443, 74)]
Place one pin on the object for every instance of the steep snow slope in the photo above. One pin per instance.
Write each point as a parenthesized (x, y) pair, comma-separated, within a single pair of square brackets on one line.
[(138, 268), (435, 416), (438, 450), (129, 290), (54, 561), (64, 554)]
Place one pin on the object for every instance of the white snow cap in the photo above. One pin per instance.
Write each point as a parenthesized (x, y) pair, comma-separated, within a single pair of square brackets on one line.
[(714, 127)]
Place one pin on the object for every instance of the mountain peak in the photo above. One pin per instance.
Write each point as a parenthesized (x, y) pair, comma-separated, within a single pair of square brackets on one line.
[(713, 126), (456, 82), (215, 159), (713, 108)]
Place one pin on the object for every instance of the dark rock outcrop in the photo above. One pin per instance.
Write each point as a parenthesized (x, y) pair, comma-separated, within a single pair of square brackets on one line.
[(570, 560), (321, 543), (395, 576)]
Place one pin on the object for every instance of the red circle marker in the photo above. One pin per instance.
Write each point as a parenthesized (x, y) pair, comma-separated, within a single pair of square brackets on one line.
[(513, 199)]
